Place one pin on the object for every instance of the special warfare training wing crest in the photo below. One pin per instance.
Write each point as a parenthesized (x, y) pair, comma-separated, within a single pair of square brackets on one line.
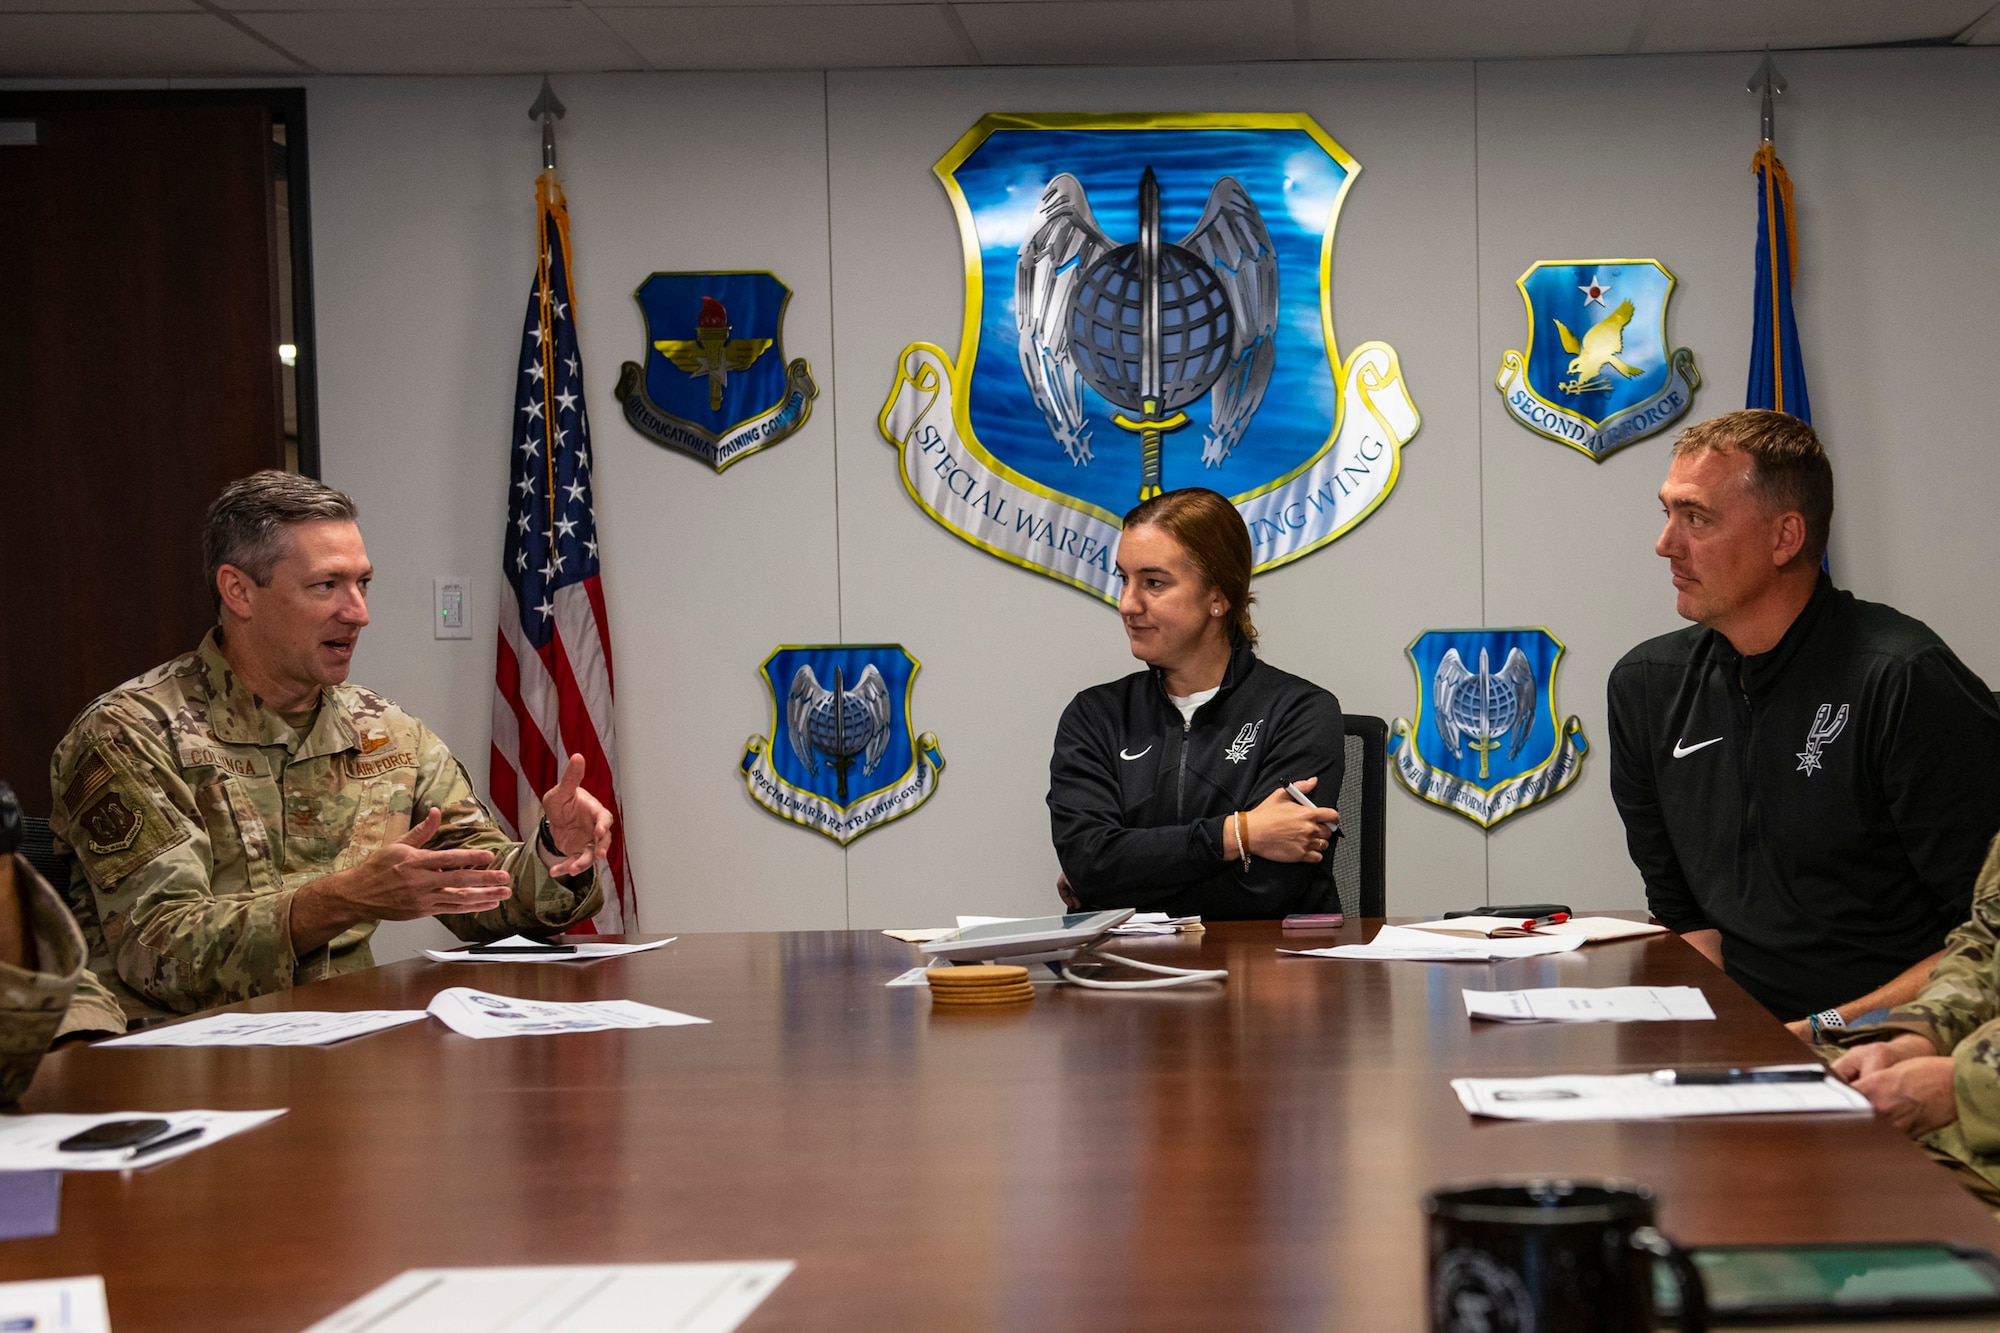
[(1602, 375), (1486, 743), (715, 384), (846, 760), (1084, 356)]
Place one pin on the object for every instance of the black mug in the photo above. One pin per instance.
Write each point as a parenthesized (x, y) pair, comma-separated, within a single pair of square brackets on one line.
[(1551, 1256)]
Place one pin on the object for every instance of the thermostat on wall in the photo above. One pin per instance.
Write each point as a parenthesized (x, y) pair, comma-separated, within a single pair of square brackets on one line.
[(450, 618)]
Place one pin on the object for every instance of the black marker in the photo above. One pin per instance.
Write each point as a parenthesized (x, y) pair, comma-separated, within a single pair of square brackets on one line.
[(170, 1141), (1715, 1077), (522, 948)]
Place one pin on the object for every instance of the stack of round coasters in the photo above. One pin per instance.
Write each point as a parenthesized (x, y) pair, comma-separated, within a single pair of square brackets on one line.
[(982, 984)]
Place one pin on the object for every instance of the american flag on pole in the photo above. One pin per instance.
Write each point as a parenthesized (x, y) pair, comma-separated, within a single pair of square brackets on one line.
[(552, 696)]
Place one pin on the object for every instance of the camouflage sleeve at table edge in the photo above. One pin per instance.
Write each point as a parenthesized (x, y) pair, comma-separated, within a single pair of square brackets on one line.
[(35, 1006), (542, 905)]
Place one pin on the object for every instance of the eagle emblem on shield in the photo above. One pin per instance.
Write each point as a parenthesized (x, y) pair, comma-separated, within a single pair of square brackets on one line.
[(1487, 743)]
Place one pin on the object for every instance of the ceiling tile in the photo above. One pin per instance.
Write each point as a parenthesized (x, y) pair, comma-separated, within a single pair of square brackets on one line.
[(110, 46), (247, 7), (98, 6), (1130, 32), (446, 41), (789, 36), (1458, 29), (1731, 25)]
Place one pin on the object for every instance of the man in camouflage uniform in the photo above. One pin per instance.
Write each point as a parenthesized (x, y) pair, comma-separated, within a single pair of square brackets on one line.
[(1932, 1067), (46, 990), (241, 817)]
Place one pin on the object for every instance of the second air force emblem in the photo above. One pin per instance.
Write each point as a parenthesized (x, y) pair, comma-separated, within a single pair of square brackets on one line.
[(715, 383), (1148, 306), (1598, 373), (842, 757), (1487, 741)]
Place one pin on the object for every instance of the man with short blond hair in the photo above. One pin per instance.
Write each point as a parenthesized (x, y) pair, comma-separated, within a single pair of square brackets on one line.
[(242, 817), (1805, 778)]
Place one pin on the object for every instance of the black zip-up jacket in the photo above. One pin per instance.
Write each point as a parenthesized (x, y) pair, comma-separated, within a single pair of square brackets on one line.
[(1825, 805), (1137, 796)]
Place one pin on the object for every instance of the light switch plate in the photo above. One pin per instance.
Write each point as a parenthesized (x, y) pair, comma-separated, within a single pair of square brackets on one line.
[(451, 617)]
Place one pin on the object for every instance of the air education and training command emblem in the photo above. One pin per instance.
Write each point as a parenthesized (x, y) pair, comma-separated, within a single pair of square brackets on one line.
[(1148, 305), (715, 383), (845, 758), (1487, 741), (1599, 373)]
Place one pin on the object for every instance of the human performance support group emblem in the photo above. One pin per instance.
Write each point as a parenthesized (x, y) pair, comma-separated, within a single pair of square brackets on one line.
[(715, 383), (1598, 373), (1487, 741), (842, 757), (1148, 306)]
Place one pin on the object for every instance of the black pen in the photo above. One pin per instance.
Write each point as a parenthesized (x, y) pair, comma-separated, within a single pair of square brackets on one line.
[(171, 1141), (522, 948), (1770, 1074)]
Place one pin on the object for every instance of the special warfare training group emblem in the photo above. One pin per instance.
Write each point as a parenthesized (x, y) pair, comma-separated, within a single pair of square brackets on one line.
[(846, 760), (1487, 742), (1102, 362), (1598, 373), (715, 383)]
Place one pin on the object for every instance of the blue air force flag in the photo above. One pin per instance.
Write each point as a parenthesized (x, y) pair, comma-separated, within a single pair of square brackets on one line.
[(842, 757), (715, 383), (1598, 372), (1487, 741), (1777, 366)]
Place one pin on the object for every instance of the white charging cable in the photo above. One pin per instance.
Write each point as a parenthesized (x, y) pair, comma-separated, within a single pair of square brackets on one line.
[(1169, 976)]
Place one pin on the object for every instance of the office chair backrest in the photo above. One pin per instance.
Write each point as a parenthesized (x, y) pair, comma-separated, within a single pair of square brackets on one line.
[(1360, 861), (38, 845)]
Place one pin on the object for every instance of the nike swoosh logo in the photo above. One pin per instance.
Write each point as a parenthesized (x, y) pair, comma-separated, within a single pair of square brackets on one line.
[(1683, 751), (1141, 755)]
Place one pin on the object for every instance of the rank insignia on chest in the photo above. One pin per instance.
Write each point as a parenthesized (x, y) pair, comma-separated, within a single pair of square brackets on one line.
[(842, 757), (715, 383), (1487, 741), (1148, 305), (1598, 372)]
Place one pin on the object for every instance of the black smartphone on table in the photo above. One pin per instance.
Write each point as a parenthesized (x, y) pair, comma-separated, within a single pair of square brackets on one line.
[(114, 1134)]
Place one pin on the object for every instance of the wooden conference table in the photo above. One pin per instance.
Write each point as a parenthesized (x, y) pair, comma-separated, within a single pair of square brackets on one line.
[(1248, 1156)]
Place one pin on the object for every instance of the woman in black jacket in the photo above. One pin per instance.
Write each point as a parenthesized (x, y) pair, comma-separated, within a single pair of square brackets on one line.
[(1167, 789)]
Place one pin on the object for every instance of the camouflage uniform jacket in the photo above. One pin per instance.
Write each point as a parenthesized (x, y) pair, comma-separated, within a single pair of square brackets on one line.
[(1959, 1011), (195, 813), (57, 997)]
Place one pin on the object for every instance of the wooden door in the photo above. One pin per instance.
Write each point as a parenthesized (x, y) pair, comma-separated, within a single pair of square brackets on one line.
[(139, 373)]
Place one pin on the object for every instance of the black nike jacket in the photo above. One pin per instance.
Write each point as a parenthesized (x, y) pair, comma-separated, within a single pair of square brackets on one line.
[(1137, 796), (1824, 805)]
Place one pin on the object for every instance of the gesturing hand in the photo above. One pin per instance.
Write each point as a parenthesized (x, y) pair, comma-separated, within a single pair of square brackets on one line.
[(578, 822), (405, 880), (1915, 1095), (1283, 830)]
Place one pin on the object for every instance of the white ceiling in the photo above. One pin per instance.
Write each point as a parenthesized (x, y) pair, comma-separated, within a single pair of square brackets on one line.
[(220, 38)]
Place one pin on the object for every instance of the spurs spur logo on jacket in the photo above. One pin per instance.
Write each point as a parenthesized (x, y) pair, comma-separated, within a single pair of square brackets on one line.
[(1245, 742), (1820, 735)]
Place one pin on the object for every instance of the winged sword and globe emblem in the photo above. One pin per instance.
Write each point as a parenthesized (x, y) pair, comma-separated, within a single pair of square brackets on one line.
[(1486, 743), (1147, 306), (842, 756), (1598, 373)]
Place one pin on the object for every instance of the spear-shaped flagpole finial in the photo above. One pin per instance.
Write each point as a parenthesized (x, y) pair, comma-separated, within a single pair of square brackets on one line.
[(1770, 83), (548, 109)]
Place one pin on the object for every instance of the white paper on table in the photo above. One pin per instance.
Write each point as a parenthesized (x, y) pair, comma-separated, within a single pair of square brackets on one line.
[(600, 1298), (1424, 946), (292, 1028), (28, 1142), (477, 1013), (55, 1305), (1590, 1004), (921, 934), (1640, 1097), (584, 952), (1591, 928)]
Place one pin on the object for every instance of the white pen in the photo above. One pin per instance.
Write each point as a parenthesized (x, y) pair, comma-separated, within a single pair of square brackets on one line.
[(1292, 789)]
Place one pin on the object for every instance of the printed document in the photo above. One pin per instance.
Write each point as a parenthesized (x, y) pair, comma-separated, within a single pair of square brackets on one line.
[(1425, 946), (1640, 1097), (474, 1013), (585, 953), (1591, 928), (1588, 1004), (294, 1028), (28, 1142), (57, 1305), (606, 1298)]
